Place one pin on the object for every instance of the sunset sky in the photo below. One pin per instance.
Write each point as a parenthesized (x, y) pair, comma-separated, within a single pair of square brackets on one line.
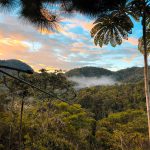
[(69, 48)]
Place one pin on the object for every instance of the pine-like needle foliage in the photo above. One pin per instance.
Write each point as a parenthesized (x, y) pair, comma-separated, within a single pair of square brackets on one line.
[(7, 4), (35, 12), (91, 7), (32, 11)]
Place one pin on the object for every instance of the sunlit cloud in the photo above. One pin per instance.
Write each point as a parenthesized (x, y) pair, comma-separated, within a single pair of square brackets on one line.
[(33, 46), (132, 40), (129, 59), (82, 22), (12, 42), (68, 48), (48, 68)]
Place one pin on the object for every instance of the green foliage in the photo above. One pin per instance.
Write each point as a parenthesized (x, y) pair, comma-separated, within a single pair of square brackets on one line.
[(111, 28), (141, 43), (125, 130), (105, 100), (33, 12), (88, 72), (50, 126), (55, 83), (100, 119)]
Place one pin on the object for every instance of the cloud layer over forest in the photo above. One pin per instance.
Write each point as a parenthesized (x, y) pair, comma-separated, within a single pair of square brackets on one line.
[(83, 82)]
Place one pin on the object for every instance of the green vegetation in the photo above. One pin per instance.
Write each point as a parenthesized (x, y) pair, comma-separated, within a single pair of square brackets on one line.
[(125, 130), (111, 117), (102, 117), (114, 26), (89, 72)]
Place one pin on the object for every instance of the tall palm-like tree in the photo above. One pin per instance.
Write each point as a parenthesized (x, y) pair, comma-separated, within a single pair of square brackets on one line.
[(142, 8), (141, 43), (112, 28), (144, 47)]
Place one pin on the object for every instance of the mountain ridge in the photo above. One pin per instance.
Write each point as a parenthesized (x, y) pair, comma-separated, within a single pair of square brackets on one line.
[(133, 74)]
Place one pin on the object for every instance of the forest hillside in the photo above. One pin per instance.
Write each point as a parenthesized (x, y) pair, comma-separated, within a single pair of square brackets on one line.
[(97, 118), (124, 75)]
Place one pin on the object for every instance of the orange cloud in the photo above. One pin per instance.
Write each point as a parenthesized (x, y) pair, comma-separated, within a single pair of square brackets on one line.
[(129, 59), (12, 42), (44, 31), (13, 48), (86, 25), (132, 40)]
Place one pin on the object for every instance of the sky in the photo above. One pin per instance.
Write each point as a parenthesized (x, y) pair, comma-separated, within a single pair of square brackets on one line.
[(71, 47)]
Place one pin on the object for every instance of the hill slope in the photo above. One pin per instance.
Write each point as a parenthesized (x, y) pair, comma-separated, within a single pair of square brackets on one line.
[(89, 72), (17, 65), (133, 74)]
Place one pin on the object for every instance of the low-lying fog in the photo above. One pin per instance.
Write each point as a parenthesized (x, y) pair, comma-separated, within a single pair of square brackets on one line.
[(83, 82)]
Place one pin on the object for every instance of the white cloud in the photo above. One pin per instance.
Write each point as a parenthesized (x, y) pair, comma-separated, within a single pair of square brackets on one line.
[(83, 82)]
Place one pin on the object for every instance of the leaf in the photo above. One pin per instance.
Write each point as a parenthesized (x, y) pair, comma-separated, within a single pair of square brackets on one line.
[(111, 28)]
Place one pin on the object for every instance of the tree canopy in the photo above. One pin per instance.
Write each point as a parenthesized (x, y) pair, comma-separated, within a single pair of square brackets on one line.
[(40, 13)]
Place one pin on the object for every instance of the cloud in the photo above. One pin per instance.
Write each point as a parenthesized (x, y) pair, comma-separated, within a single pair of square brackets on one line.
[(25, 43), (82, 22), (71, 47), (12, 42), (132, 40), (69, 34), (83, 82), (129, 59)]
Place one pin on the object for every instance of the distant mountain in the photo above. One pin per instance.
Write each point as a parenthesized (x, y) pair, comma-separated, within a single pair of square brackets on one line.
[(17, 65), (89, 72), (133, 74)]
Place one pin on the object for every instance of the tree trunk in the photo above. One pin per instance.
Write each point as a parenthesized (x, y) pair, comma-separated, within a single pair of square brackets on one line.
[(10, 136), (11, 124), (146, 77), (20, 130)]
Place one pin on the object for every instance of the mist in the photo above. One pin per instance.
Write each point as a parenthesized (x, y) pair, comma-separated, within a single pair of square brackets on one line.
[(83, 82)]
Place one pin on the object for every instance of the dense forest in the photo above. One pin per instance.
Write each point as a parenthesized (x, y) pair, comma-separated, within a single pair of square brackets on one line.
[(45, 111), (96, 118)]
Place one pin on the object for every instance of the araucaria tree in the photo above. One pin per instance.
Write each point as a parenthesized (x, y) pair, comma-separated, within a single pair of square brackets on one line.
[(33, 11)]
